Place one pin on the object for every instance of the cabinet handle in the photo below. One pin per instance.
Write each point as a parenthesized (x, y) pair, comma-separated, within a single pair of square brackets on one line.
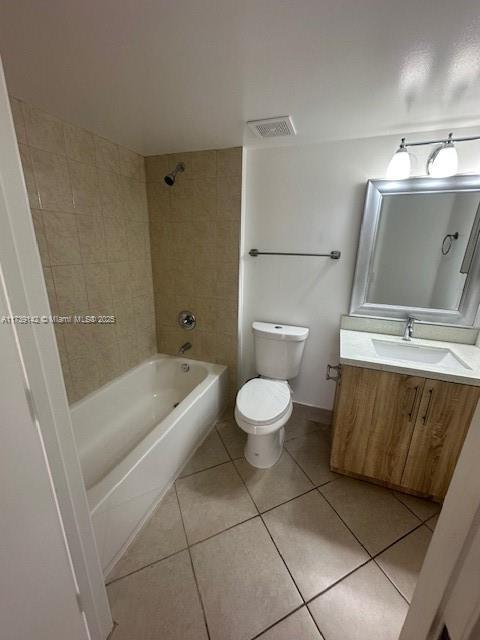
[(425, 415), (414, 401)]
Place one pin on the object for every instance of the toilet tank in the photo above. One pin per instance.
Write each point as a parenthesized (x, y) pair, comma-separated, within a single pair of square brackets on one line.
[(278, 349)]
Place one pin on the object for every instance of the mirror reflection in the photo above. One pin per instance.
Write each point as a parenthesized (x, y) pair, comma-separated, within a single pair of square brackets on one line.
[(423, 249)]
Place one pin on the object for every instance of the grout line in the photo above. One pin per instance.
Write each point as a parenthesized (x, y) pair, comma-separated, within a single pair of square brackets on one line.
[(278, 621), (334, 584), (193, 567), (346, 525), (391, 581), (115, 626), (280, 504), (194, 473), (394, 493), (214, 535), (392, 544), (145, 566), (271, 537)]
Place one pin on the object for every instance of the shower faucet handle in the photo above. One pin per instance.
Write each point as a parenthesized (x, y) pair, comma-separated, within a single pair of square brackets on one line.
[(187, 320)]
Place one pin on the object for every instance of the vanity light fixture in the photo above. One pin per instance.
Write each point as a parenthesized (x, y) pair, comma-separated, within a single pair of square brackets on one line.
[(400, 164), (442, 162)]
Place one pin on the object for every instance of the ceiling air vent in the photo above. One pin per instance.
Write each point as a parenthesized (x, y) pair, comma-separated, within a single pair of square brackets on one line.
[(272, 127)]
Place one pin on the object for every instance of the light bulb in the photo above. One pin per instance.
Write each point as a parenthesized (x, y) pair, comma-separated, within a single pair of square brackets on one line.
[(443, 162), (400, 165)]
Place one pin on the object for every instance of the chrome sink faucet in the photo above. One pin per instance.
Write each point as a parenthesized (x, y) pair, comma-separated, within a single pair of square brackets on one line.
[(409, 326)]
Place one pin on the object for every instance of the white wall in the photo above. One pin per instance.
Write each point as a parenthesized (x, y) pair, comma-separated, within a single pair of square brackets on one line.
[(310, 198)]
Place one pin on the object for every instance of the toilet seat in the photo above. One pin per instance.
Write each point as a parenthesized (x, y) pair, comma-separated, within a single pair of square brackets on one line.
[(262, 402)]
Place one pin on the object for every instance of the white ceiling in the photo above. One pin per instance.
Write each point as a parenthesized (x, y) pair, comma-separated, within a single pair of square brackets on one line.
[(173, 75)]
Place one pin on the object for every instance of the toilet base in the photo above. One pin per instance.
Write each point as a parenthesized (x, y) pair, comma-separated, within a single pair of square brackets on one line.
[(263, 451)]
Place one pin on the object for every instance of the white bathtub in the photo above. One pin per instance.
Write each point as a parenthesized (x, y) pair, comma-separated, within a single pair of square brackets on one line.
[(135, 434)]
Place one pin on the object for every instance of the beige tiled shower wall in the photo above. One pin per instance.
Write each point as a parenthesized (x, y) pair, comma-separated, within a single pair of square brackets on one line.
[(89, 208), (195, 236)]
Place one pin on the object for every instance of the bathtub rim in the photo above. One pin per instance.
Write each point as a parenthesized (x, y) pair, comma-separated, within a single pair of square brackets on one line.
[(99, 493)]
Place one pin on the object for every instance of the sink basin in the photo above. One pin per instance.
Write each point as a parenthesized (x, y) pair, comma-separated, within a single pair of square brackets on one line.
[(414, 353)]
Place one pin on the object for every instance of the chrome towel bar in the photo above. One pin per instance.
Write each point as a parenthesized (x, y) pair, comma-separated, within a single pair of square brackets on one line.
[(334, 255)]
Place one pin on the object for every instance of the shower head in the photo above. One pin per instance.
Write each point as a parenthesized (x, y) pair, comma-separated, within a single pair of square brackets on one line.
[(170, 178)]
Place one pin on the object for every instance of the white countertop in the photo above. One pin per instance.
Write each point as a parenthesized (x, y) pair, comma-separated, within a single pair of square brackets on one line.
[(358, 349)]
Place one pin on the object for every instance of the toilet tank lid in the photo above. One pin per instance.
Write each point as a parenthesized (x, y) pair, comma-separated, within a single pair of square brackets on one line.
[(280, 331)]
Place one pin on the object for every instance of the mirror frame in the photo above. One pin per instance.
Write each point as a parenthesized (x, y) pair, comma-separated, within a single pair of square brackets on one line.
[(376, 189)]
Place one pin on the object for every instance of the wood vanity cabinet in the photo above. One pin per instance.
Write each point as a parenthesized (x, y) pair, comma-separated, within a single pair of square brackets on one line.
[(402, 431)]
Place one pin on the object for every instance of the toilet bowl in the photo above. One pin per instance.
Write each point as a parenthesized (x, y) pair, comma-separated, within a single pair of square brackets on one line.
[(264, 404), (262, 409)]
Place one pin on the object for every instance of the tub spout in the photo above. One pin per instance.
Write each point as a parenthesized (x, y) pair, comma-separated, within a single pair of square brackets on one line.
[(185, 347)]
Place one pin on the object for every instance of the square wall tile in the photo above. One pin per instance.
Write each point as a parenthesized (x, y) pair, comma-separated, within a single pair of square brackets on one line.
[(70, 288), (44, 131), (84, 187), (106, 155), (91, 237), (79, 144), (53, 181), (243, 582), (62, 238)]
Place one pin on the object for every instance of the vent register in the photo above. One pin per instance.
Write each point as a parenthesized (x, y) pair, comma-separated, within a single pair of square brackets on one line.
[(272, 127)]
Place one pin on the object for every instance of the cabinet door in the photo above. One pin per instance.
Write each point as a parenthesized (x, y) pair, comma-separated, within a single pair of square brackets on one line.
[(445, 412), (373, 422)]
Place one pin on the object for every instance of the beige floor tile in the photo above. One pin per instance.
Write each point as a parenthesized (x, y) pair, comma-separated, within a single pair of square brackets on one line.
[(372, 513), (403, 561), (160, 601), (210, 453), (312, 452), (423, 509), (298, 626), (161, 536), (232, 437), (301, 422), (270, 487), (244, 584), (432, 523), (364, 606), (212, 501), (317, 547)]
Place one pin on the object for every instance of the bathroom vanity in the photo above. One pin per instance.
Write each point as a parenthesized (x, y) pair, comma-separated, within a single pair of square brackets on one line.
[(402, 410)]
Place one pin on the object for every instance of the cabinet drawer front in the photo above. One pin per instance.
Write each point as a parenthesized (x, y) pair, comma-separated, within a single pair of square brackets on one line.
[(373, 422), (444, 415)]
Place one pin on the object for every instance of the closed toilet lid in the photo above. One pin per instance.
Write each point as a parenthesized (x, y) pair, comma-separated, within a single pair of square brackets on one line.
[(262, 401)]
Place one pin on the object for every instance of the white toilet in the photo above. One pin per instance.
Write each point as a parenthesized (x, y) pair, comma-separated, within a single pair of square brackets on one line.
[(264, 404)]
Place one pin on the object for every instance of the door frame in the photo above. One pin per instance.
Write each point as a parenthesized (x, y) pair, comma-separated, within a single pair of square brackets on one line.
[(456, 531), (27, 294)]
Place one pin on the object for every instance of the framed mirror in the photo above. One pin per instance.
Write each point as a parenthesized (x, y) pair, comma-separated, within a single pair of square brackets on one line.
[(419, 251)]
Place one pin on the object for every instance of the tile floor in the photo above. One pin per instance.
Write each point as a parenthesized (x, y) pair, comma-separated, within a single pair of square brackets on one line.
[(295, 552)]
